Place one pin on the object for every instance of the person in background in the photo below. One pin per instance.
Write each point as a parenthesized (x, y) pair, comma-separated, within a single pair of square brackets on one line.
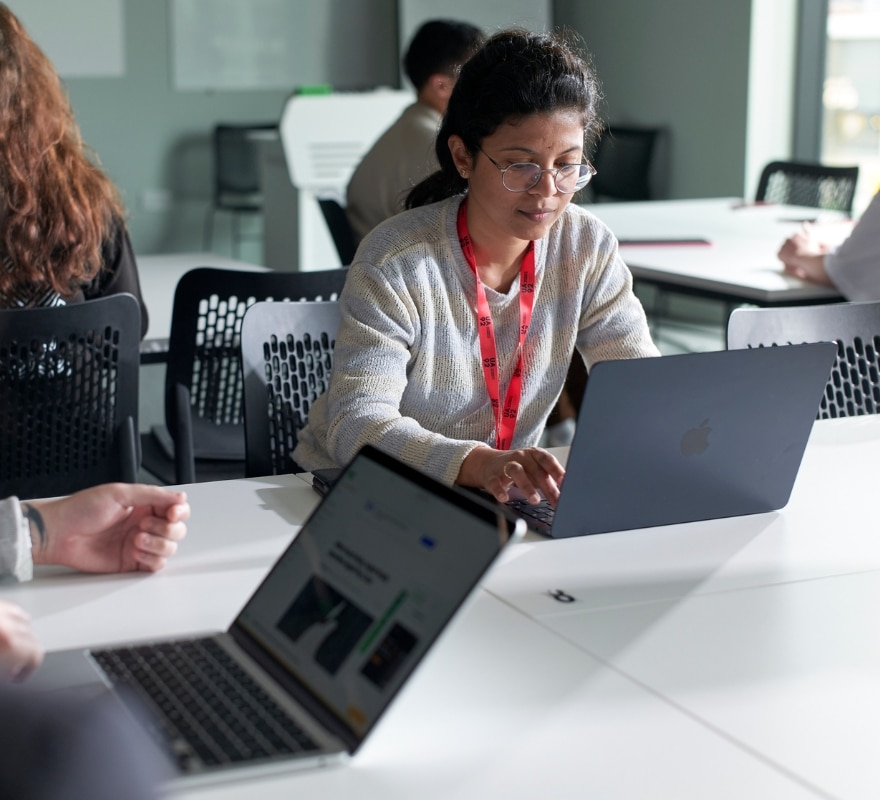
[(404, 154), (852, 267), (63, 238), (460, 315), (115, 527)]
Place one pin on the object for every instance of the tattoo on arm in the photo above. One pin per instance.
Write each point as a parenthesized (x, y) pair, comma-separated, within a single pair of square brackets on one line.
[(36, 522)]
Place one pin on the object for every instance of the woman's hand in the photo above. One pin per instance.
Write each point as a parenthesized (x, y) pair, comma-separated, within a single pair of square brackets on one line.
[(532, 471), (803, 255)]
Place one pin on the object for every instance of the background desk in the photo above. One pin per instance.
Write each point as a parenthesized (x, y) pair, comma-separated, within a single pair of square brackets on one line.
[(738, 265), (730, 659)]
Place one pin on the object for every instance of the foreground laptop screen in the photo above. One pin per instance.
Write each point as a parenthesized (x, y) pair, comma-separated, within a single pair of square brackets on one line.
[(368, 584)]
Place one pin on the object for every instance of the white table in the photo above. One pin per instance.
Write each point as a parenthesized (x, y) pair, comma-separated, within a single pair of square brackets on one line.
[(159, 275), (729, 659), (762, 628), (738, 264)]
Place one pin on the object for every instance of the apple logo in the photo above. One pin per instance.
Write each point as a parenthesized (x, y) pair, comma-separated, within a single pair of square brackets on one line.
[(696, 440)]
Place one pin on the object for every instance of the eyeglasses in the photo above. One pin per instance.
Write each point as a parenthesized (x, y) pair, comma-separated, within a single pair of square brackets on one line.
[(521, 177)]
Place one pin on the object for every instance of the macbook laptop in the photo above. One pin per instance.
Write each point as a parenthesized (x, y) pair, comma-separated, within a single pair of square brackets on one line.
[(323, 645), (689, 437), (683, 438)]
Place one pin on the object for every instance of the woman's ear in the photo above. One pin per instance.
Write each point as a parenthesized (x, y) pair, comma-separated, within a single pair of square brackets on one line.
[(462, 159)]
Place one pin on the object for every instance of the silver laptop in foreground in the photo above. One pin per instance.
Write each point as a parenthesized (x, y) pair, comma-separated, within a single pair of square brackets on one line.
[(324, 644)]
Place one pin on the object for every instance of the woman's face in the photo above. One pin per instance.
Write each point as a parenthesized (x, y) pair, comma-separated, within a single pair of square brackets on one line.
[(496, 215)]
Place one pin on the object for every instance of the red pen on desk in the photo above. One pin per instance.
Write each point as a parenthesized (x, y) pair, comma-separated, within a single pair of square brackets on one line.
[(751, 204), (663, 242)]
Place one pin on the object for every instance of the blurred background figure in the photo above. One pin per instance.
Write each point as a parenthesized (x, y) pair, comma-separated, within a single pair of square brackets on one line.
[(404, 154), (852, 266)]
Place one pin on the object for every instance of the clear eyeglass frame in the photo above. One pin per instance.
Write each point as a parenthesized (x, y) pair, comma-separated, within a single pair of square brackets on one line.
[(525, 175)]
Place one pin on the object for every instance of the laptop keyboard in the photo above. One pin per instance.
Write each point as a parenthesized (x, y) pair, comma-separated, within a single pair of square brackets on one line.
[(208, 710), (538, 516)]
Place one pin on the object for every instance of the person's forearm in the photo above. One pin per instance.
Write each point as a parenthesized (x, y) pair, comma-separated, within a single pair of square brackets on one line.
[(37, 526), (41, 520), (474, 466)]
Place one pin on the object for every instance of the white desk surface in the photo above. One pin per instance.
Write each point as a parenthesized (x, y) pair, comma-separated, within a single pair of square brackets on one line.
[(159, 275), (740, 259), (729, 659), (763, 628)]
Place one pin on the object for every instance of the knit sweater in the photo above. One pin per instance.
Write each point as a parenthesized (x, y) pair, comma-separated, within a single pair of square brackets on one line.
[(407, 374)]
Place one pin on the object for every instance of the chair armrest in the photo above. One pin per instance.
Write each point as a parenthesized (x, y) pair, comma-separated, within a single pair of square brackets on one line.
[(129, 451), (184, 459)]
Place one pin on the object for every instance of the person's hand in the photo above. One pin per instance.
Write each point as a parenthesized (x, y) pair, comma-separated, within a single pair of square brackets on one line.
[(115, 527), (20, 653), (531, 470), (803, 256)]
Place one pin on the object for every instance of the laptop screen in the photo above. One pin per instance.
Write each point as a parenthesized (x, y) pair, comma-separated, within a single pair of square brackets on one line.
[(370, 582)]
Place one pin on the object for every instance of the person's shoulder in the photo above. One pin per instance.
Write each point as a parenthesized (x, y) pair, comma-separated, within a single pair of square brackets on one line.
[(416, 125), (578, 221), (421, 115), (423, 224), (116, 244), (417, 233)]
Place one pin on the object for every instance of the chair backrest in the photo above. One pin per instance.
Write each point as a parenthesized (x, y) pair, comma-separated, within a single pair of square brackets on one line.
[(69, 396), (287, 353), (853, 387), (205, 342), (799, 183), (623, 160), (237, 166), (340, 228)]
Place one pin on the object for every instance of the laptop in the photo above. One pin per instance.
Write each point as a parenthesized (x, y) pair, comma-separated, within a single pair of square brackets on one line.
[(324, 644), (689, 437), (683, 438)]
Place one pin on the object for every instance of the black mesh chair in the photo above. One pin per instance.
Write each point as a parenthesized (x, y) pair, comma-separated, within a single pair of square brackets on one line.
[(340, 228), (237, 186), (287, 354), (623, 159), (798, 183), (203, 435), (853, 387), (69, 396)]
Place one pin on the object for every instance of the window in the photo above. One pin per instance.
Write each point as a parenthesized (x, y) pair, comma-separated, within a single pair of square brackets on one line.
[(851, 92)]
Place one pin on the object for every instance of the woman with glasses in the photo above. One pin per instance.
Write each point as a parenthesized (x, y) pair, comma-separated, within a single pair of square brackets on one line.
[(461, 314)]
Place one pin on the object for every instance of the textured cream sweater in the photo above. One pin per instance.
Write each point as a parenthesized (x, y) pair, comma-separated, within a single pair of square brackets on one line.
[(406, 367)]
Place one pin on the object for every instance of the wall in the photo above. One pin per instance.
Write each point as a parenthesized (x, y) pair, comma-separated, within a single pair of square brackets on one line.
[(155, 141), (681, 64)]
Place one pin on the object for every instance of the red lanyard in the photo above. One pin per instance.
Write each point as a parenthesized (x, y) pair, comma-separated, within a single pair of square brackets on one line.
[(505, 417)]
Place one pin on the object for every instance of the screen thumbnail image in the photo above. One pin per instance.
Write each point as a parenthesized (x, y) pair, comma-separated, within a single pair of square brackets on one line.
[(324, 623), (389, 656)]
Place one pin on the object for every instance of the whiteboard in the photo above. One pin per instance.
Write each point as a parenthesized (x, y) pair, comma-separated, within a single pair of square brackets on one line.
[(82, 39), (274, 44)]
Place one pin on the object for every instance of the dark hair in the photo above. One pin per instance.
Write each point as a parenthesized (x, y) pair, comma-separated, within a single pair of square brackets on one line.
[(440, 47), (515, 74)]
